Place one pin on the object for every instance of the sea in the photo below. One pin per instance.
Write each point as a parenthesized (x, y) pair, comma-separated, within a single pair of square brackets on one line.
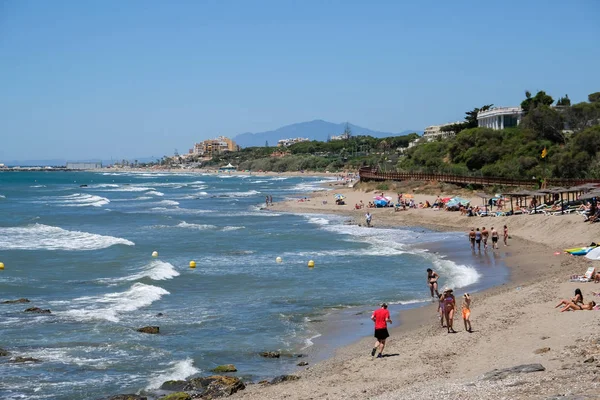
[(81, 244)]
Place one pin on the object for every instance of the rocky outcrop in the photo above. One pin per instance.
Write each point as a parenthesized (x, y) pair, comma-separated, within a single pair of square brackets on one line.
[(284, 378), (175, 386), (216, 386), (22, 300), (37, 310), (177, 396), (225, 368), (270, 354), (24, 360), (302, 364), (4, 353), (149, 329), (499, 374)]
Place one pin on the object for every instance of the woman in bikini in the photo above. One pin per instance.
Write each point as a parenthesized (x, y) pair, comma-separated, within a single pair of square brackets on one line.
[(466, 312), (577, 299), (449, 309), (505, 235), (579, 307), (432, 278)]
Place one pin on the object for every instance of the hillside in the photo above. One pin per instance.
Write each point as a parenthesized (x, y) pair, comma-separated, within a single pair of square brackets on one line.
[(313, 130)]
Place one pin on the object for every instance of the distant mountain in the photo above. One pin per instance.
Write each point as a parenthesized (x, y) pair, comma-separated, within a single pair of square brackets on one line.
[(313, 130)]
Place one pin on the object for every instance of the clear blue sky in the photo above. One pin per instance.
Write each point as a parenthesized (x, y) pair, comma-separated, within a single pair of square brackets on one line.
[(95, 79)]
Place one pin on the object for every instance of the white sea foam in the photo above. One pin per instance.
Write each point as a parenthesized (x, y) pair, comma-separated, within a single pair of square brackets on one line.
[(156, 270), (144, 198), (131, 188), (260, 181), (2, 196), (38, 186), (232, 228), (318, 221), (176, 210), (104, 185), (65, 356), (168, 203), (458, 275), (178, 370), (309, 341), (184, 224), (241, 194), (279, 178), (45, 237), (155, 193), (82, 200), (110, 306)]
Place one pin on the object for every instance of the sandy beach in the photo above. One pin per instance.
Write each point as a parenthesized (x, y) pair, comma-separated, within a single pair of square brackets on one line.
[(514, 324)]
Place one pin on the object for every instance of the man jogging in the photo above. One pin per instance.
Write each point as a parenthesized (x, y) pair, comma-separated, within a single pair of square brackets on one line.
[(381, 317)]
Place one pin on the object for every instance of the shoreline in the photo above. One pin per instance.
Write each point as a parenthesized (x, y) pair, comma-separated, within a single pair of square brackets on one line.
[(511, 321)]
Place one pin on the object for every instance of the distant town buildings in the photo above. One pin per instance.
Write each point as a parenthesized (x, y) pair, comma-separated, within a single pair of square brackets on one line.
[(434, 132), (289, 142), (212, 147), (500, 117), (343, 136), (84, 165)]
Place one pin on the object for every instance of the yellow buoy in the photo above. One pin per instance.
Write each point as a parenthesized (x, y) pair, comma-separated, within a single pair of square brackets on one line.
[(192, 264), (311, 264), (278, 259), (1, 265), (155, 254)]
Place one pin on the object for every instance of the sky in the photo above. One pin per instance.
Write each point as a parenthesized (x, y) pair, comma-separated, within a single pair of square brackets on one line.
[(127, 79)]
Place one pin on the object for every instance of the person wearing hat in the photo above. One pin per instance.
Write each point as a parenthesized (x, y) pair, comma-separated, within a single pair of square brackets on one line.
[(381, 317), (449, 308)]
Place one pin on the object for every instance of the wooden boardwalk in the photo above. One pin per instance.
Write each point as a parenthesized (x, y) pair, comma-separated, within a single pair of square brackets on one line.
[(371, 174)]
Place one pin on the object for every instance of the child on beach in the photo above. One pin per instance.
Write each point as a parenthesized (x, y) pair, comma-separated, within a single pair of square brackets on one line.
[(466, 312)]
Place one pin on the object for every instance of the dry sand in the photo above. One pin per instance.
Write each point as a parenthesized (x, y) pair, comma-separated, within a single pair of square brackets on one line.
[(510, 322)]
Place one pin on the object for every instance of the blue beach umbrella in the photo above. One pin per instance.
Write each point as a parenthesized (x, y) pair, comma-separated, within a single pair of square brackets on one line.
[(338, 196), (380, 203)]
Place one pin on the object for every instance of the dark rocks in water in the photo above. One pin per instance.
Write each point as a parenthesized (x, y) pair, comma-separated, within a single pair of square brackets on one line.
[(3, 353), (175, 386), (22, 300), (217, 386), (37, 310), (24, 359), (284, 378), (498, 374), (225, 368), (270, 354), (160, 314), (177, 396), (149, 329), (302, 363), (127, 397), (83, 185)]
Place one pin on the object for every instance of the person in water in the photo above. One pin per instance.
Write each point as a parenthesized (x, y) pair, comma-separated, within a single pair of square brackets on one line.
[(368, 218), (381, 317), (579, 307), (449, 309), (484, 235), (478, 239), (494, 238), (505, 235), (432, 278), (472, 238), (466, 312), (577, 299)]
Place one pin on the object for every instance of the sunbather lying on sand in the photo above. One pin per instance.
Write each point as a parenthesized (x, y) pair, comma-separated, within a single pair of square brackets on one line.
[(579, 307)]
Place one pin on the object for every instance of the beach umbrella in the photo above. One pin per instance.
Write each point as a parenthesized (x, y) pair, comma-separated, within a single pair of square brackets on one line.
[(409, 196), (380, 198), (339, 196), (381, 203), (593, 254)]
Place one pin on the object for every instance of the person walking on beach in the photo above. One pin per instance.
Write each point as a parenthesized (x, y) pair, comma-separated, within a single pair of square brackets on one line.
[(485, 234), (270, 200), (449, 309), (505, 235), (368, 219), (466, 312), (472, 238), (381, 317), (494, 238), (267, 201), (432, 278)]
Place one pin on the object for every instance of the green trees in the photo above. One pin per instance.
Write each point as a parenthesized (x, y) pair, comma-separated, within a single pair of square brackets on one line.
[(540, 99)]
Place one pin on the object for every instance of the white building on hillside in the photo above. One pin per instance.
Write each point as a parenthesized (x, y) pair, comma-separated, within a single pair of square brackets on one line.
[(434, 132), (289, 142), (500, 117)]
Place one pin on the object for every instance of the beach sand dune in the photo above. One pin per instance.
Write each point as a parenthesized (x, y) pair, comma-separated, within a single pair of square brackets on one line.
[(514, 324)]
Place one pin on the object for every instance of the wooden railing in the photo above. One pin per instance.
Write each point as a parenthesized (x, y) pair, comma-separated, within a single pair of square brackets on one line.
[(372, 174)]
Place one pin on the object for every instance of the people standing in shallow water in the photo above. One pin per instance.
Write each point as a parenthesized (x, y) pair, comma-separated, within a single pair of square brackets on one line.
[(472, 238), (466, 312), (478, 239), (381, 317), (505, 235), (432, 278), (494, 238), (484, 235)]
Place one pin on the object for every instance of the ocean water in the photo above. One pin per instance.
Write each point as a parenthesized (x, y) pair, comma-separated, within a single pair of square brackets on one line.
[(85, 253)]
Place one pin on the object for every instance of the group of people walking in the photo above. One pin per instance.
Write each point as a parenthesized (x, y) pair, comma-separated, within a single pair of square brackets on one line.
[(446, 308), (477, 236)]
